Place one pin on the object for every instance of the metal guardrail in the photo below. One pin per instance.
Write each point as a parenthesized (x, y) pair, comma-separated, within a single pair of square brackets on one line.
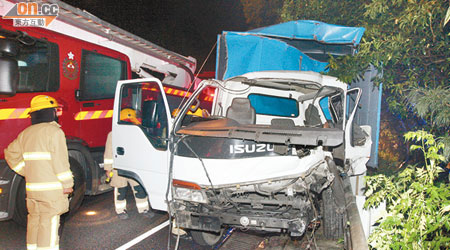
[(354, 237)]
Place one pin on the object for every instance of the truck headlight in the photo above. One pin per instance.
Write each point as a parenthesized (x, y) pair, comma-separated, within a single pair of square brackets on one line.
[(188, 191)]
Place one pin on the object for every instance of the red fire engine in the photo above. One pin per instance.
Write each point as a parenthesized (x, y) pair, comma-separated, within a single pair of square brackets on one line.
[(78, 60)]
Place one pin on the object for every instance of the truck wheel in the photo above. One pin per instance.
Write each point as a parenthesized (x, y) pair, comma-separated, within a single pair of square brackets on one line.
[(333, 219), (206, 238), (79, 185), (20, 208)]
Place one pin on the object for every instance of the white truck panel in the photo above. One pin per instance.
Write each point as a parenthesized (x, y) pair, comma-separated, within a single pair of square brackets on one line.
[(139, 156), (223, 172)]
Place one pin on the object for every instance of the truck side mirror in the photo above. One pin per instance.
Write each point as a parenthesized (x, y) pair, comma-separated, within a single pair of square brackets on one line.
[(9, 69)]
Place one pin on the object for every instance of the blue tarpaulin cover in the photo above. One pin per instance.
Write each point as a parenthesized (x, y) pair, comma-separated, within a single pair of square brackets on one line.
[(313, 30), (300, 45), (296, 45)]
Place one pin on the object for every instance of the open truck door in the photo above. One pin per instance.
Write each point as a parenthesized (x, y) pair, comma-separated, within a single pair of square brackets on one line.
[(140, 131), (357, 141)]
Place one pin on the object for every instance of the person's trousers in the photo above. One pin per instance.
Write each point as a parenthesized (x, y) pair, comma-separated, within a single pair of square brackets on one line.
[(140, 197), (43, 223)]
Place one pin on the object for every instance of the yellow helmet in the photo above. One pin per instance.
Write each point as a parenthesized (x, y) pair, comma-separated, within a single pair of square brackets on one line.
[(40, 102), (129, 115), (199, 112)]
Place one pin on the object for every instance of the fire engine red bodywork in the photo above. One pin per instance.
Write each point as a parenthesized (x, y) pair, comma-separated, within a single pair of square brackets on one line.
[(92, 129)]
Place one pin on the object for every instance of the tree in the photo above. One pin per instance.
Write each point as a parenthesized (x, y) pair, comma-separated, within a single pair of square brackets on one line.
[(344, 12), (404, 39), (259, 13), (433, 104), (407, 40)]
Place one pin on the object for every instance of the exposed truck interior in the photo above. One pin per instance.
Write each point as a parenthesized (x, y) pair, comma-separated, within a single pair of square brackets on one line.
[(273, 142)]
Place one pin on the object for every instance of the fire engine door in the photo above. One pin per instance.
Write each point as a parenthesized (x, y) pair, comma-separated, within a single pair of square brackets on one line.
[(98, 79), (140, 132)]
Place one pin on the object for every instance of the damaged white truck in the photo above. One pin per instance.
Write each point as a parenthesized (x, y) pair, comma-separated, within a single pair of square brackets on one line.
[(280, 149), (265, 158)]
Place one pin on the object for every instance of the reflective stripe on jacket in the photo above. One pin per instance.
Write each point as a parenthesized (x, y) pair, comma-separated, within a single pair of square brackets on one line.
[(39, 153)]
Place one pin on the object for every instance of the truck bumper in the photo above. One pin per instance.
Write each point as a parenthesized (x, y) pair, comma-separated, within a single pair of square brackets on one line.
[(214, 222), (8, 189)]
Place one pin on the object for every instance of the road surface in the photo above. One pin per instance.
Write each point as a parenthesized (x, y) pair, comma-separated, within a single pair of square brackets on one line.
[(96, 226)]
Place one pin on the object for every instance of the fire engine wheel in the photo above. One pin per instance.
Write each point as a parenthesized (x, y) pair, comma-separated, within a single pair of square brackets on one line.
[(79, 185), (20, 208), (206, 238), (333, 219)]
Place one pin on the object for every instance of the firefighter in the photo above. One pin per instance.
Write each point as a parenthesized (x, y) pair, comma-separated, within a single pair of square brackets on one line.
[(199, 112), (129, 115), (120, 183), (39, 153)]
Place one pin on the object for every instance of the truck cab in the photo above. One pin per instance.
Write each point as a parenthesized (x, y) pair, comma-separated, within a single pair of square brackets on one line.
[(270, 155)]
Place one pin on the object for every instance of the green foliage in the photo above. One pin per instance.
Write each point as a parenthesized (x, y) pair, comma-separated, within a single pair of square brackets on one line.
[(344, 12), (417, 207), (446, 141), (447, 17), (433, 104), (406, 40)]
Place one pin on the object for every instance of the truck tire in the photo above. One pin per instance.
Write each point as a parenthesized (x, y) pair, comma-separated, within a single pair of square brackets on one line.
[(20, 207), (206, 238), (332, 217), (79, 187)]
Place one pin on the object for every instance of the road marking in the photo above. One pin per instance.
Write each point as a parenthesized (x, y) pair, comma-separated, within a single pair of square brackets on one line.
[(143, 236)]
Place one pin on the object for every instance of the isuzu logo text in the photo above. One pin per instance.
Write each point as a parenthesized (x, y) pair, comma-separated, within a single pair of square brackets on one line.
[(32, 14), (253, 148)]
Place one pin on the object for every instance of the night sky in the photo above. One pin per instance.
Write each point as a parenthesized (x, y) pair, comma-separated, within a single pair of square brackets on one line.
[(188, 27)]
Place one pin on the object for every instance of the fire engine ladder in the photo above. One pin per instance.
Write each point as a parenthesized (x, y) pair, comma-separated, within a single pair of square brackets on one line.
[(84, 20)]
